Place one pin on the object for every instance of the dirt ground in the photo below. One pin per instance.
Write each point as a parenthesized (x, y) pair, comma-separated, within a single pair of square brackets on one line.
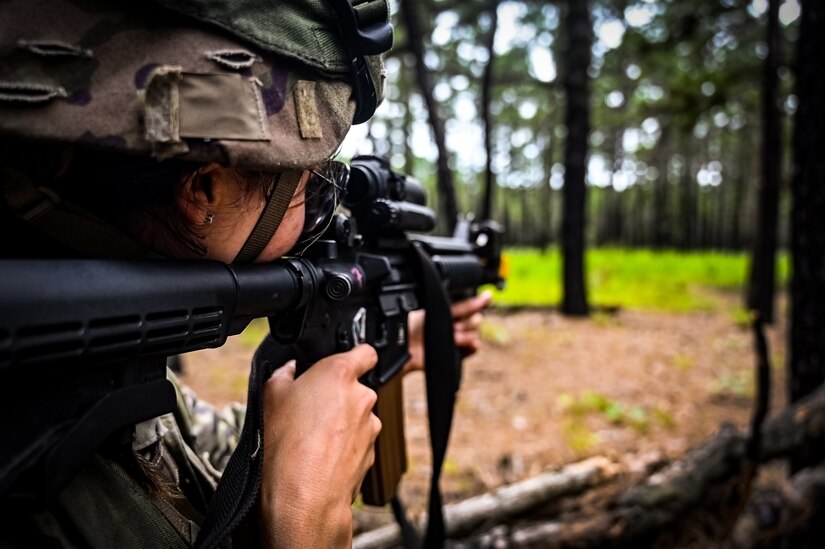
[(547, 390)]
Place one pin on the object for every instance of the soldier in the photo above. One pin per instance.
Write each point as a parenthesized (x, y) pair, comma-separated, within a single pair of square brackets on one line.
[(194, 130)]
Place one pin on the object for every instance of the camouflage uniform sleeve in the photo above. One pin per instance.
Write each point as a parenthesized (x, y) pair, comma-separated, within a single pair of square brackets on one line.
[(208, 430)]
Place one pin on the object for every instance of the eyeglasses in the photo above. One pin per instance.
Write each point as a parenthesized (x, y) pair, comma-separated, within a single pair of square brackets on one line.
[(324, 191)]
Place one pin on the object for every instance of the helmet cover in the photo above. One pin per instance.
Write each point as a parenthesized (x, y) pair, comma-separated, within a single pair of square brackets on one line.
[(249, 83)]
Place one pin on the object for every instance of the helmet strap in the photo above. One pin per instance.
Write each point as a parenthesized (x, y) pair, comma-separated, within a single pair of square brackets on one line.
[(271, 217)]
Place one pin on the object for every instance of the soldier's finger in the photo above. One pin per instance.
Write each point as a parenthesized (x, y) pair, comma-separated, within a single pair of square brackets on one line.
[(364, 358), (472, 305)]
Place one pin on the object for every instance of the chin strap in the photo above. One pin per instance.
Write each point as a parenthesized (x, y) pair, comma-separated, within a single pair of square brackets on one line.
[(271, 217)]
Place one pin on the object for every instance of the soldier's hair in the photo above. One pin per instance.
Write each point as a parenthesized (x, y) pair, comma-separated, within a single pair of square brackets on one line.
[(127, 191)]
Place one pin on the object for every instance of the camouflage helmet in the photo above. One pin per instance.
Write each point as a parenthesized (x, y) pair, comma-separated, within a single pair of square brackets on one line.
[(251, 83)]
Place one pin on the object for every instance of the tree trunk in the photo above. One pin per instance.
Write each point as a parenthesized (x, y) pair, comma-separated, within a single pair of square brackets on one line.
[(546, 195), (577, 119), (446, 187), (807, 337), (738, 198), (526, 226), (763, 269), (486, 100), (687, 203), (409, 119), (661, 220)]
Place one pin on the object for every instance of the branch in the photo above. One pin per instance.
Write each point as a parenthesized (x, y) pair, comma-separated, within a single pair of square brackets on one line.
[(505, 503)]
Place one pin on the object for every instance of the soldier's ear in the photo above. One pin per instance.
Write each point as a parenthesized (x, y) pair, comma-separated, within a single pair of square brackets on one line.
[(201, 193)]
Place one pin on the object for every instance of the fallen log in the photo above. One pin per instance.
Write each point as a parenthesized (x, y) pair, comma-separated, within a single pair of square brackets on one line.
[(505, 503), (786, 513), (692, 500)]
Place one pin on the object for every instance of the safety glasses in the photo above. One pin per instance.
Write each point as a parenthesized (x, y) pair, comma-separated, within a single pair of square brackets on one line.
[(324, 191)]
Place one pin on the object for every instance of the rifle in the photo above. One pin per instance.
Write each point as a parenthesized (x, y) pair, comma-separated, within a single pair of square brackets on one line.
[(99, 330)]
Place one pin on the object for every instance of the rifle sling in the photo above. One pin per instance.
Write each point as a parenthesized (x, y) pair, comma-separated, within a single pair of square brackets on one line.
[(442, 369), (241, 481)]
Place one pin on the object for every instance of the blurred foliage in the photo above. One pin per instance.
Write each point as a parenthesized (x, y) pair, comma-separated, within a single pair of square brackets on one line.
[(674, 147), (495, 333), (577, 408), (666, 280), (253, 334), (738, 385)]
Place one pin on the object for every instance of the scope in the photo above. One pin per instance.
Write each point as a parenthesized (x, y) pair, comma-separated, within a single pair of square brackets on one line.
[(371, 178)]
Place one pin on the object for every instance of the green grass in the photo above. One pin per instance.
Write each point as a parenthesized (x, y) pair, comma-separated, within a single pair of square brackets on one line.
[(252, 336), (632, 278), (578, 407)]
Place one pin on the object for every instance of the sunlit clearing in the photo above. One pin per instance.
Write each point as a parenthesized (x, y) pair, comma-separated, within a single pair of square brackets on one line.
[(789, 12), (614, 99), (758, 7), (542, 65), (444, 24), (528, 109), (630, 140), (597, 171), (639, 15), (611, 33), (509, 26)]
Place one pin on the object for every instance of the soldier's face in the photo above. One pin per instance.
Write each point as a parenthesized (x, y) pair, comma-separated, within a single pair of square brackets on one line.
[(235, 211)]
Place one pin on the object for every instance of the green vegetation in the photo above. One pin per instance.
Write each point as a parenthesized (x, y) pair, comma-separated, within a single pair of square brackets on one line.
[(734, 384), (252, 336), (589, 403), (633, 278), (495, 333), (683, 363), (637, 417)]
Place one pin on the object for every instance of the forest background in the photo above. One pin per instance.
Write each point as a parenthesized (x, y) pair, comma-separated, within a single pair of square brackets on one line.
[(476, 105), (658, 168)]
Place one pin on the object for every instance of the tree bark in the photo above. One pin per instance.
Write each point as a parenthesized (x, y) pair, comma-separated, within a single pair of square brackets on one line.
[(577, 119), (486, 101), (446, 187), (763, 267), (807, 334), (687, 204), (546, 195), (661, 219)]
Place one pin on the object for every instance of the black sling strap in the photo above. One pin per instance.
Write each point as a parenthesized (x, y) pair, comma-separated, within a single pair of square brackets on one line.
[(442, 370), (241, 481)]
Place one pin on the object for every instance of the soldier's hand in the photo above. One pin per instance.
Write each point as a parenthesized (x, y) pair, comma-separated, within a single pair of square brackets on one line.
[(318, 444), (467, 319)]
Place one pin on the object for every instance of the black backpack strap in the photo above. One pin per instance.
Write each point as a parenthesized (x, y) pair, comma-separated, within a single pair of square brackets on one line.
[(241, 481)]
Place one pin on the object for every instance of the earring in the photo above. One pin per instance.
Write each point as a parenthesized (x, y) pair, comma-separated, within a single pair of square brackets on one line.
[(210, 217)]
